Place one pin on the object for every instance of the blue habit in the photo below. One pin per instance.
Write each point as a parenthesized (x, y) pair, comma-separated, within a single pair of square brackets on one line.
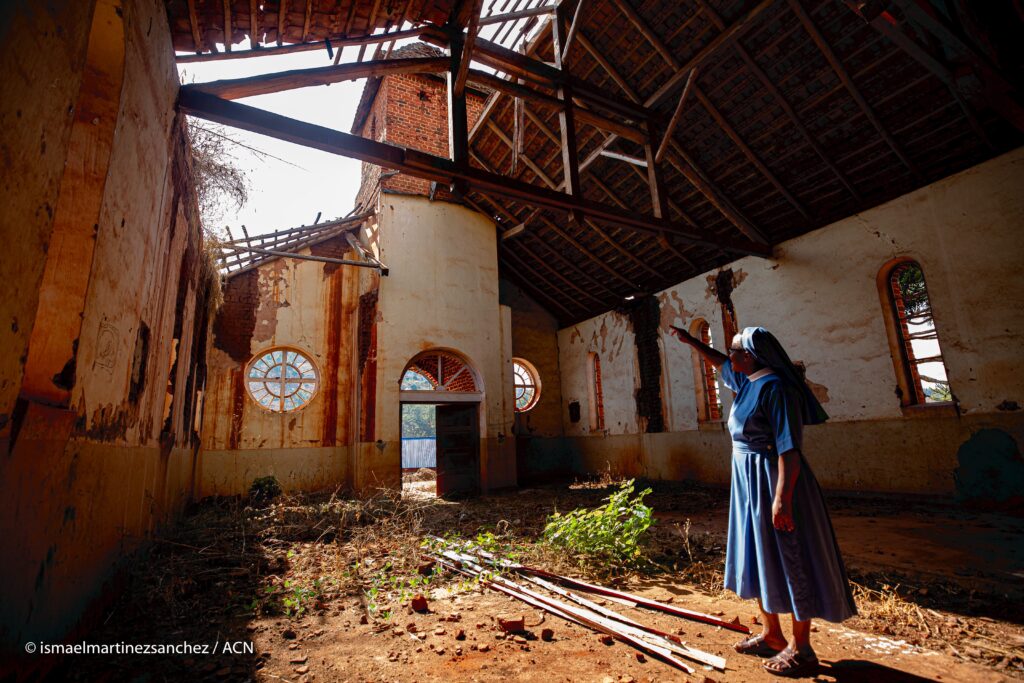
[(801, 571)]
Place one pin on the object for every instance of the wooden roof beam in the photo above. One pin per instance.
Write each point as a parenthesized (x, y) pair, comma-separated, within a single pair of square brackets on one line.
[(301, 47), (517, 64), (851, 87), (574, 27), (236, 88), (518, 14), (529, 94), (677, 115), (428, 166)]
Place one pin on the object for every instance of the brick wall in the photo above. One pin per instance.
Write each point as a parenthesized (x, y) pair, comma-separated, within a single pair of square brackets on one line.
[(236, 319), (410, 110)]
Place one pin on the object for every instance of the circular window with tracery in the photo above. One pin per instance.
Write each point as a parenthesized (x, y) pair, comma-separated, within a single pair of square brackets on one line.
[(282, 380), (526, 383)]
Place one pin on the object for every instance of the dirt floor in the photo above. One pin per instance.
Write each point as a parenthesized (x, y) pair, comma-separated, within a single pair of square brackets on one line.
[(321, 588)]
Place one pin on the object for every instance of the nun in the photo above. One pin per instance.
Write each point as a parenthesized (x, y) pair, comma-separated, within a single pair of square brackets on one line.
[(782, 549)]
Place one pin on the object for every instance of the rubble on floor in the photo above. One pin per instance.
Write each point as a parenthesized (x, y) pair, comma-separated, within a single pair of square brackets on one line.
[(323, 586)]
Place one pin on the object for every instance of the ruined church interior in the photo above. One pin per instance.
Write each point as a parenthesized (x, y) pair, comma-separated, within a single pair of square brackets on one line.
[(472, 427)]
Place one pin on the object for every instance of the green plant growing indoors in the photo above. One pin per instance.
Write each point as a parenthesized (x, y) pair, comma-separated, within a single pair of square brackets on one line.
[(611, 534)]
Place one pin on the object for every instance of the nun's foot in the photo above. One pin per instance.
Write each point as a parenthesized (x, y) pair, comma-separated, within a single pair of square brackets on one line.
[(793, 663), (760, 645)]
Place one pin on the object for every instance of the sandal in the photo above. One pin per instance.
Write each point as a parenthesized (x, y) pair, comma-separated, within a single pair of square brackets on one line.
[(755, 645), (792, 663)]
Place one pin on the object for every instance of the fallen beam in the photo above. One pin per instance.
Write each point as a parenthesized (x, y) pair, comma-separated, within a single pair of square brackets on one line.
[(429, 167)]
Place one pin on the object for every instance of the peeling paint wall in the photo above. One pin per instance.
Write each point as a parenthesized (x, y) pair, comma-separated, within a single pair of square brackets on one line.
[(307, 305), (86, 480), (819, 296)]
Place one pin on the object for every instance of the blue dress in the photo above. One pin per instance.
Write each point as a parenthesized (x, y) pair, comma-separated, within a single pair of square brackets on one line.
[(799, 572)]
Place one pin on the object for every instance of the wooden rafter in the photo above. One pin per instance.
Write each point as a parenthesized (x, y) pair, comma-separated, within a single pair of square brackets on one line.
[(886, 25), (193, 22), (597, 229), (235, 88), (371, 20), (566, 263), (694, 174), (518, 14), (677, 115), (467, 48), (427, 166), (529, 94), (607, 66), (730, 33), (300, 47), (770, 86), (254, 24), (697, 179), (306, 19), (851, 87), (282, 12), (574, 27), (724, 124), (517, 64), (228, 29), (566, 115)]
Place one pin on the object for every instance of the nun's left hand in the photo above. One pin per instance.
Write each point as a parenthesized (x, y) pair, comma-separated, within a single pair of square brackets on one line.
[(782, 515)]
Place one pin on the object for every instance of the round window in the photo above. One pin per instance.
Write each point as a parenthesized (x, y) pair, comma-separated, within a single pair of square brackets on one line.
[(282, 380), (526, 383)]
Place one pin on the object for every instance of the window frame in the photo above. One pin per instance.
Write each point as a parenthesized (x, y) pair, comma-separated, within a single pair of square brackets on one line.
[(534, 376), (701, 370), (260, 355), (911, 396), (595, 392)]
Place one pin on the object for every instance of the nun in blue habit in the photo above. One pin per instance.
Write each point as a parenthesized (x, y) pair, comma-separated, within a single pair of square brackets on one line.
[(781, 548)]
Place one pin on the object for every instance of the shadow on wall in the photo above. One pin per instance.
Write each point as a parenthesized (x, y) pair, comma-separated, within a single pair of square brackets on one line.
[(991, 471)]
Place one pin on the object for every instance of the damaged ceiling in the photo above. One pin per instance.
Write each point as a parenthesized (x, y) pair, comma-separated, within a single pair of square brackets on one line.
[(783, 116)]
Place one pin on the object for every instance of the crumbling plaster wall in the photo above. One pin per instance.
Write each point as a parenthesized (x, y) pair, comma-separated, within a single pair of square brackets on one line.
[(442, 293), (83, 486), (819, 296), (307, 305)]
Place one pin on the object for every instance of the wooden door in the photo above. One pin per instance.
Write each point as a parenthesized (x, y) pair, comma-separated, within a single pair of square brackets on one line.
[(458, 450)]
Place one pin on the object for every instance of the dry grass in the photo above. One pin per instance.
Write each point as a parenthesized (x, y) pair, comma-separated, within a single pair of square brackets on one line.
[(305, 555)]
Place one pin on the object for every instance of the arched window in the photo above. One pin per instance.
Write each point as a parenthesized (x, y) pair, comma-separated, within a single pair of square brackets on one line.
[(918, 358), (281, 379), (526, 382), (705, 377), (439, 371), (596, 393)]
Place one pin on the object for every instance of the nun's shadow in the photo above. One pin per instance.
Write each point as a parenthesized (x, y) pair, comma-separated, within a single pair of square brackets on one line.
[(863, 671)]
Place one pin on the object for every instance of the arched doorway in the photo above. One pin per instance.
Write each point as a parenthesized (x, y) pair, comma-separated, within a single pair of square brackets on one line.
[(440, 396)]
